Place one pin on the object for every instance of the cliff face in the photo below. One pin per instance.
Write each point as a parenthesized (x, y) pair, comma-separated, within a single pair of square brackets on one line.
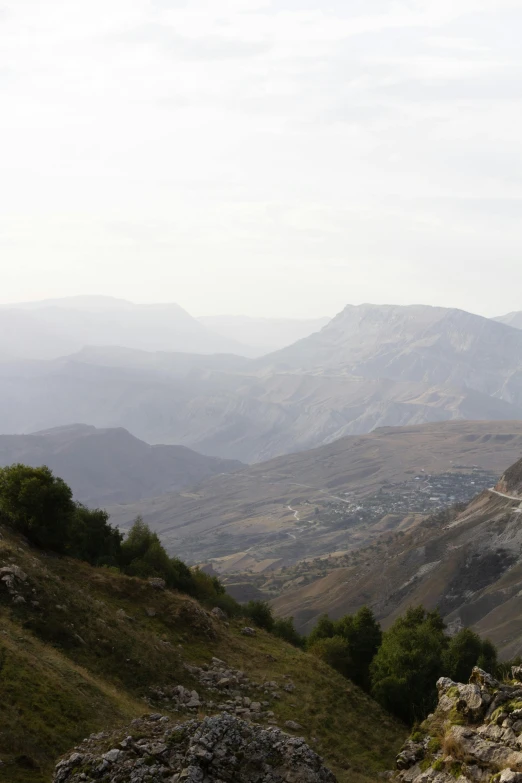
[(474, 735), (511, 481)]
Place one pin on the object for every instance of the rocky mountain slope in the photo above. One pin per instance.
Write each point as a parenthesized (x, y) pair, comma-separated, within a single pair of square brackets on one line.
[(110, 465), (469, 564), (432, 345), (85, 650), (263, 334), (53, 328), (474, 735), (334, 498)]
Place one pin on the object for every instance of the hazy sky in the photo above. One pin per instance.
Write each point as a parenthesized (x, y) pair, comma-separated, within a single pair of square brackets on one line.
[(277, 158)]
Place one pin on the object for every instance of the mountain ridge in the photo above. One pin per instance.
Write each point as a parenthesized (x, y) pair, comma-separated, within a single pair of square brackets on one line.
[(110, 465)]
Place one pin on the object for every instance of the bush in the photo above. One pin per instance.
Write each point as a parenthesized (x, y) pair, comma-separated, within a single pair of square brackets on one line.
[(92, 538), (38, 505), (260, 613), (284, 628), (227, 604), (334, 651)]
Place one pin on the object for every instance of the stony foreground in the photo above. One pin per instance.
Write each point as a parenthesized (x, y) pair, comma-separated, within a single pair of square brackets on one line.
[(218, 749), (474, 735)]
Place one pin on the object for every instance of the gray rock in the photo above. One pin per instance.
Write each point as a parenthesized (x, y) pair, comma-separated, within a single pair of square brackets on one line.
[(157, 584), (215, 749), (292, 725), (247, 631), (219, 614)]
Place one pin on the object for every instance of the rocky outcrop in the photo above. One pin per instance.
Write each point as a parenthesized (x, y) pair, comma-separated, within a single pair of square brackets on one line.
[(474, 735), (215, 750), (227, 690)]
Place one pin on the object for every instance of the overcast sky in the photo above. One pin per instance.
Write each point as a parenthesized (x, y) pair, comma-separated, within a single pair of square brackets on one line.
[(270, 158)]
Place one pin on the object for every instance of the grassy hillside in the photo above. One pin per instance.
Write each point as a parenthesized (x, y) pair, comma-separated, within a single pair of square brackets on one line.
[(81, 648)]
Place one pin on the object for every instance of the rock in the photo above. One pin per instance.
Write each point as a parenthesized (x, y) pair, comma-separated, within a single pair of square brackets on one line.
[(112, 755), (219, 614), (292, 725), (246, 631), (156, 583), (15, 571), (150, 612), (218, 748), (473, 735), (483, 679), (516, 673)]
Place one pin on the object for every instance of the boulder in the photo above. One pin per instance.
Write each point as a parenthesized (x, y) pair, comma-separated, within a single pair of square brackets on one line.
[(219, 614), (218, 748), (247, 631)]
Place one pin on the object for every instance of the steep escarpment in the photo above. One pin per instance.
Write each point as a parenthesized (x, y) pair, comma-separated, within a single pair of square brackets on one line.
[(511, 481), (474, 735)]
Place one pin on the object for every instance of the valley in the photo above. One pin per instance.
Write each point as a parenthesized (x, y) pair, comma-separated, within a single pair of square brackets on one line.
[(345, 495)]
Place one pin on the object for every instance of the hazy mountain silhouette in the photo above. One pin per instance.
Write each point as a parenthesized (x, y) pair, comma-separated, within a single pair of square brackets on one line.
[(55, 327), (110, 465)]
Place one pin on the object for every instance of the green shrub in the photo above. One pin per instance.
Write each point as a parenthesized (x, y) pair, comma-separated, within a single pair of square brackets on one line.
[(38, 505), (260, 613), (284, 628)]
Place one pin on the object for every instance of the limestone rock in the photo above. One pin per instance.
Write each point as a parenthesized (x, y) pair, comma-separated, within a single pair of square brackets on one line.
[(219, 614), (474, 735), (248, 631), (220, 748)]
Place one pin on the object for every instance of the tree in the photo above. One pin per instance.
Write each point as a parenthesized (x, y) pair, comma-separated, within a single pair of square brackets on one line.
[(38, 504), (408, 664), (92, 538), (261, 614), (335, 651), (364, 635), (323, 629), (284, 628), (466, 650)]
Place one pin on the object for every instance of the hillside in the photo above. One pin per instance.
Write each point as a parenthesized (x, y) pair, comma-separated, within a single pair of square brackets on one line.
[(53, 328), (110, 465), (84, 650), (337, 497), (468, 564), (263, 334)]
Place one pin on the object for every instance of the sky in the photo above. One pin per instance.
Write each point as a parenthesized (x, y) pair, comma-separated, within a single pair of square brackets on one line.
[(276, 158)]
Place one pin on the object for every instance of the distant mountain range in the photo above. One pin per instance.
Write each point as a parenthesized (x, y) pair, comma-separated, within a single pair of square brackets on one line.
[(334, 498), (110, 465), (467, 564), (57, 327), (371, 366)]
